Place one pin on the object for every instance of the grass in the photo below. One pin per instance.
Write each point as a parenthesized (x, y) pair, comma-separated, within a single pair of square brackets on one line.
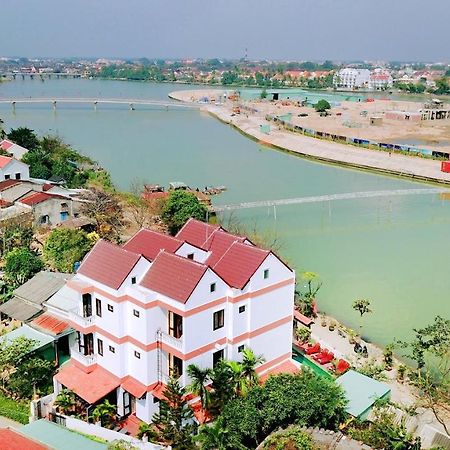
[(14, 409)]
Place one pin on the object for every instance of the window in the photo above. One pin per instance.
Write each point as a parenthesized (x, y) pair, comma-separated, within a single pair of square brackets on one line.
[(133, 280), (44, 219), (87, 305), (190, 256), (240, 348), (135, 313), (98, 307), (110, 308), (64, 215), (241, 309), (112, 349), (212, 287), (7, 176), (155, 400), (175, 325), (175, 366), (137, 354), (266, 274), (18, 176), (218, 319), (100, 347), (217, 356)]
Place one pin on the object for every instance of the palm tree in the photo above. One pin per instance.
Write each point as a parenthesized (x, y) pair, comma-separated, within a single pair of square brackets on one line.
[(237, 378), (148, 431), (65, 401), (200, 378), (104, 412), (249, 363), (216, 437)]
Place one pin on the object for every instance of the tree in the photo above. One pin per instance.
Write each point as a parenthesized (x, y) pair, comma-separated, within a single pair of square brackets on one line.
[(199, 380), (222, 389), (20, 265), (179, 207), (64, 247), (146, 430), (104, 413), (263, 94), (65, 401), (121, 445), (105, 211), (293, 438), (174, 419), (217, 437), (363, 307), (306, 301), (249, 363), (430, 349), (322, 106), (25, 137), (15, 233)]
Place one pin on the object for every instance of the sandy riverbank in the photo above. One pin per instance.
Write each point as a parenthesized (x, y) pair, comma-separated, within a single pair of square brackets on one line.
[(322, 150)]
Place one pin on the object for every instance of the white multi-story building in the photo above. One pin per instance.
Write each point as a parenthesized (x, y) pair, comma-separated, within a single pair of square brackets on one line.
[(148, 309), (380, 79), (351, 78)]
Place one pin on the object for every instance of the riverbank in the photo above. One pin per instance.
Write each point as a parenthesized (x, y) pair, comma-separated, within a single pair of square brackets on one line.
[(326, 151)]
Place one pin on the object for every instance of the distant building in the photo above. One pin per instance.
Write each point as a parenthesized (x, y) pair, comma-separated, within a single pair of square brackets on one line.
[(380, 79), (351, 78), (17, 151), (13, 169)]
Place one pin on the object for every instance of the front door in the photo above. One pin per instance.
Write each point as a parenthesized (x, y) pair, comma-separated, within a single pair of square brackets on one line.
[(88, 344)]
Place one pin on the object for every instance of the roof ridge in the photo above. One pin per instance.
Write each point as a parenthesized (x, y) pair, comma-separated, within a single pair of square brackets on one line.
[(228, 249), (182, 258)]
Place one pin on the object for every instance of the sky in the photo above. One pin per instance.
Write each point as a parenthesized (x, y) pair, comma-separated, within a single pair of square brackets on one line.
[(403, 30)]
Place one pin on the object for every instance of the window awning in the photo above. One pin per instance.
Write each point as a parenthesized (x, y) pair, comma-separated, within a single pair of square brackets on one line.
[(92, 386)]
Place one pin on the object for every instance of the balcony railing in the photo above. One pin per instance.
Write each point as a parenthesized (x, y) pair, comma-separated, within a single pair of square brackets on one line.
[(84, 322), (172, 341), (86, 360)]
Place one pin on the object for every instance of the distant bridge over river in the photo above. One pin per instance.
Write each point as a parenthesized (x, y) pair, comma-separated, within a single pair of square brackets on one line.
[(332, 197), (130, 102)]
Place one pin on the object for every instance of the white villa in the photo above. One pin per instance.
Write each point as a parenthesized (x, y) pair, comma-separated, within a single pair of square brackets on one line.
[(150, 308), (13, 169), (351, 78)]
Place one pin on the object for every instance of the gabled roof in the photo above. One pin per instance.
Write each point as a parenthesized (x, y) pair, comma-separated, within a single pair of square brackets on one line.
[(9, 183), (50, 324), (196, 233), (108, 264), (6, 144), (218, 244), (4, 161), (239, 264), (149, 243), (174, 276), (39, 197)]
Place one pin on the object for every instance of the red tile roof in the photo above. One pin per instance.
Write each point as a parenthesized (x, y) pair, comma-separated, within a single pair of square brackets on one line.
[(149, 243), (4, 161), (13, 440), (196, 233), (50, 323), (134, 387), (285, 367), (92, 386), (158, 391), (5, 144), (38, 197), (8, 183), (174, 276), (4, 203), (239, 263), (218, 244), (108, 264)]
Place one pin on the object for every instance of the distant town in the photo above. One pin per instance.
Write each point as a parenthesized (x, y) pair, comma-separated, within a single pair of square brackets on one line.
[(411, 77)]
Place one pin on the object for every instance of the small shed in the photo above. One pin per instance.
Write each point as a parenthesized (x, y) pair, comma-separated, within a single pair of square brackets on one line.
[(362, 393), (376, 121)]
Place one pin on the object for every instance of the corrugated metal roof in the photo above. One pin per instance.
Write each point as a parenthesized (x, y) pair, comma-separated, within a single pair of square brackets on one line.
[(108, 264), (42, 286), (28, 332), (51, 324), (239, 263), (39, 197), (19, 309), (173, 276), (149, 243)]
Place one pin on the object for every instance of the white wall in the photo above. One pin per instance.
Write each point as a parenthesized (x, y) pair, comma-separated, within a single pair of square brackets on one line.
[(199, 254), (13, 168)]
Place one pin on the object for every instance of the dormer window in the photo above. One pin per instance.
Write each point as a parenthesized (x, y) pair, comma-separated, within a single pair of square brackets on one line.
[(266, 274), (212, 287)]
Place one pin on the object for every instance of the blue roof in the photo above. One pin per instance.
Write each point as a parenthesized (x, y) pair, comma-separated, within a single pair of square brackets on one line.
[(361, 391), (58, 437)]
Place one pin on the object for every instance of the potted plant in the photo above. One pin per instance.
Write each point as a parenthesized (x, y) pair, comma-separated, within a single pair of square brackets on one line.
[(388, 356), (351, 336), (303, 334), (323, 320), (401, 371), (332, 325)]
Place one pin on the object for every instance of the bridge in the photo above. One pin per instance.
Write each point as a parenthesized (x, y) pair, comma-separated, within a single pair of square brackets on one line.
[(43, 75), (330, 198), (131, 102)]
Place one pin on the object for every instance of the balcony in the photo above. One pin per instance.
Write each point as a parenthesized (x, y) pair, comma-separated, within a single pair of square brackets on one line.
[(176, 343), (83, 322), (85, 360)]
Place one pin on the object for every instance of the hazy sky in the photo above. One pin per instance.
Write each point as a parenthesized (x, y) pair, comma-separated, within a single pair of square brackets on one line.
[(274, 29)]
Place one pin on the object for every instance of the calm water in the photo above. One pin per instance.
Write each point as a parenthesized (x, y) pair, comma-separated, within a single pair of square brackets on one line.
[(393, 251)]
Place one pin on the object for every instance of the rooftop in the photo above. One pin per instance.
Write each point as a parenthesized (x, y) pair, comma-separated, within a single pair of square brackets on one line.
[(196, 233), (14, 440), (4, 161)]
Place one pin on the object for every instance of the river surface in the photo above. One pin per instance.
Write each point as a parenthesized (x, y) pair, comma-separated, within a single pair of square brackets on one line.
[(394, 251)]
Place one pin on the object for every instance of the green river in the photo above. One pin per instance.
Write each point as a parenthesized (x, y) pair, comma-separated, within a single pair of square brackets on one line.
[(393, 250)]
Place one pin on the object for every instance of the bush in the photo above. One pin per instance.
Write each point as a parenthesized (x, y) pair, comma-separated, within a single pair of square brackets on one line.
[(322, 106), (64, 247), (293, 438), (21, 264), (14, 410)]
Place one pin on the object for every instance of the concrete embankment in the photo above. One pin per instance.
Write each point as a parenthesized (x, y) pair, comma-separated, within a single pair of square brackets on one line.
[(417, 168)]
